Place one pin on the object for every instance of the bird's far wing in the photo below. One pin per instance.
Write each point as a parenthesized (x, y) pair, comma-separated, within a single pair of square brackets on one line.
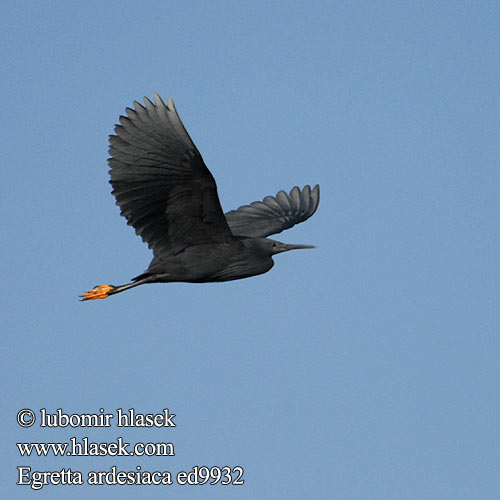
[(160, 181), (274, 213)]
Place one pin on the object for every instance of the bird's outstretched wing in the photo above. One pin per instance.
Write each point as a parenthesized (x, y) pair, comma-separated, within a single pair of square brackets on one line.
[(274, 213), (160, 181)]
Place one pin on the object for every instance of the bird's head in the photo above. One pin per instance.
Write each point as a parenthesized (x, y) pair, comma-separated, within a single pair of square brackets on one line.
[(272, 247)]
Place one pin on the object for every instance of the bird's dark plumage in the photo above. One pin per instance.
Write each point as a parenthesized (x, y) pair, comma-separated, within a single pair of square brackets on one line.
[(166, 192), (274, 213), (160, 181)]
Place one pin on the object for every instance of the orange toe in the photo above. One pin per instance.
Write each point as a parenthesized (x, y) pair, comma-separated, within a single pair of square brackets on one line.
[(99, 292)]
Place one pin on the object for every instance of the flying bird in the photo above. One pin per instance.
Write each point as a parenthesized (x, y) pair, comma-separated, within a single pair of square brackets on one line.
[(166, 192)]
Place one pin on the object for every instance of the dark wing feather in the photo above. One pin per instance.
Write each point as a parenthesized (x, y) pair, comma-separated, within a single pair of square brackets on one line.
[(160, 181), (274, 214)]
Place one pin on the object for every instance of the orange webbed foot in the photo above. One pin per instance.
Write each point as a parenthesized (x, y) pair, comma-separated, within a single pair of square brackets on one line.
[(99, 292)]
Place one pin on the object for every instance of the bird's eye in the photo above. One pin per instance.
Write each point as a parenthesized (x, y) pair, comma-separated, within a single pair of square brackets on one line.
[(274, 244)]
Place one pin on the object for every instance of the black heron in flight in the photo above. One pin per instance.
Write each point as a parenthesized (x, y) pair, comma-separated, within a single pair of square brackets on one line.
[(166, 192)]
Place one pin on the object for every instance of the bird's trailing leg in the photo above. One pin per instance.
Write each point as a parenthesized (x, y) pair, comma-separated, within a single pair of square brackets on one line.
[(99, 292), (104, 291)]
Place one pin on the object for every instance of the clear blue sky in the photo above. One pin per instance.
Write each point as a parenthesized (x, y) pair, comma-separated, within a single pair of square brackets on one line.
[(365, 369)]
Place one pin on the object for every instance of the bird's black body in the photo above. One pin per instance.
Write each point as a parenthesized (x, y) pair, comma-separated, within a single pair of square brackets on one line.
[(206, 263), (169, 196)]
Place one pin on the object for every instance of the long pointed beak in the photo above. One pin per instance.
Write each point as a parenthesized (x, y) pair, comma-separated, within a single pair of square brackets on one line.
[(287, 247)]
